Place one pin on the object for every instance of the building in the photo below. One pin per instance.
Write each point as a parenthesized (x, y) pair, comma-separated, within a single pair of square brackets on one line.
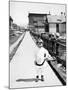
[(10, 22), (57, 23), (38, 22), (47, 23)]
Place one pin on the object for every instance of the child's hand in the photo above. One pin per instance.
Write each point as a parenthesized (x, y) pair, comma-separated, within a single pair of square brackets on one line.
[(54, 58)]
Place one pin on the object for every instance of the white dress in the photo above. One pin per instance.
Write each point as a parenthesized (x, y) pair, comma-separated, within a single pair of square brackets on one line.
[(40, 59)]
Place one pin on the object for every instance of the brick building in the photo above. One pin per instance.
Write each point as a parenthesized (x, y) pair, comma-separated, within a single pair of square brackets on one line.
[(38, 22)]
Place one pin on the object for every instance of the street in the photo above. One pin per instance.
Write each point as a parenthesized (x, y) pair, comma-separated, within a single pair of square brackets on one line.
[(22, 66)]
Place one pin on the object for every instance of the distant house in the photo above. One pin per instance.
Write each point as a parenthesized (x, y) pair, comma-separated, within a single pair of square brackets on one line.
[(13, 26), (10, 22), (47, 23)]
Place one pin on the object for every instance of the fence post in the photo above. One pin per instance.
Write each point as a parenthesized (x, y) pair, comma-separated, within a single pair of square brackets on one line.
[(57, 47)]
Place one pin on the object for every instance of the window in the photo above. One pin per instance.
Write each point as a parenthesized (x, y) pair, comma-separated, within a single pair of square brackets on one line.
[(57, 27)]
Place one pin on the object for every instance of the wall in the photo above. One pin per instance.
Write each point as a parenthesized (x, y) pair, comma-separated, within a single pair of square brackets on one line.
[(62, 28), (38, 22), (52, 28), (41, 30)]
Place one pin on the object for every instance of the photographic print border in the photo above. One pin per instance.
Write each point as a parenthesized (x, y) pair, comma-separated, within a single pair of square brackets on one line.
[(66, 42)]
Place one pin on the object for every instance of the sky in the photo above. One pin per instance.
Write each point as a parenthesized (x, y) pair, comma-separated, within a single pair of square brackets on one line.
[(19, 10)]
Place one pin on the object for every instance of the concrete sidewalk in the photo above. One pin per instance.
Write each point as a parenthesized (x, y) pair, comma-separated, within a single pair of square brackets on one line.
[(22, 67)]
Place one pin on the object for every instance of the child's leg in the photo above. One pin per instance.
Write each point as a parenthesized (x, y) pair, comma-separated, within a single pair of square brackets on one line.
[(37, 73), (42, 73)]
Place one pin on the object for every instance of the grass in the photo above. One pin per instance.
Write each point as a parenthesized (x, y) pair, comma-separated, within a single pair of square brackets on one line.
[(13, 37)]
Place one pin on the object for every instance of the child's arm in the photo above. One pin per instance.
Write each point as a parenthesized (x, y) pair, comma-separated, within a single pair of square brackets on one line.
[(48, 57)]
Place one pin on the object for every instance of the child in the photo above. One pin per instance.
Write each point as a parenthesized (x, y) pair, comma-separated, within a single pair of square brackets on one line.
[(42, 56)]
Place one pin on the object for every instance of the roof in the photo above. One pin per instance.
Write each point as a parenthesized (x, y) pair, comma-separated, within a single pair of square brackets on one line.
[(50, 18), (56, 19), (37, 14)]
